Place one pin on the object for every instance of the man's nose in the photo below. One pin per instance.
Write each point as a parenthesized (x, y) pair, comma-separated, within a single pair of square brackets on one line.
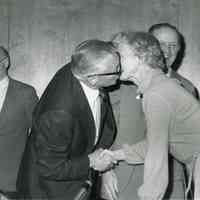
[(168, 52)]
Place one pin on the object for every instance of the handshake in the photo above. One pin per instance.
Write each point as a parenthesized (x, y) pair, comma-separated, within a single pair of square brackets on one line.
[(103, 159)]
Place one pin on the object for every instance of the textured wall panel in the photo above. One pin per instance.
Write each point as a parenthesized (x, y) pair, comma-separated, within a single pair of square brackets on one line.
[(4, 18), (190, 27), (44, 33)]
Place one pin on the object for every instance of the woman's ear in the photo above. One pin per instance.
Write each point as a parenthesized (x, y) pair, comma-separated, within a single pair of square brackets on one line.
[(146, 69), (139, 61)]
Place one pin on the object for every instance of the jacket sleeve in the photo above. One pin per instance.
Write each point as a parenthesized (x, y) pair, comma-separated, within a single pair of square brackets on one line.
[(54, 134), (31, 101)]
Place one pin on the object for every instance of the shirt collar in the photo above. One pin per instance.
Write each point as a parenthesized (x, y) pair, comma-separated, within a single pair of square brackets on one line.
[(91, 93), (4, 82)]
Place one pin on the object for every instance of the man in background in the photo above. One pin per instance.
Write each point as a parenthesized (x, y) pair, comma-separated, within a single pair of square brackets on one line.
[(72, 123), (172, 44), (17, 101)]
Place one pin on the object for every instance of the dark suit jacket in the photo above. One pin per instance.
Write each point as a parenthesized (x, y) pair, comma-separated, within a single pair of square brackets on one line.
[(15, 120), (63, 134)]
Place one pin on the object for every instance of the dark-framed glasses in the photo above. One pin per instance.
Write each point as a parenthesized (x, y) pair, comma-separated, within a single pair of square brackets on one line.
[(117, 73)]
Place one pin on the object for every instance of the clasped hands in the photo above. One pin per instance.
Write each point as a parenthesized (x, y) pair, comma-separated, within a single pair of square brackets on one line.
[(103, 159)]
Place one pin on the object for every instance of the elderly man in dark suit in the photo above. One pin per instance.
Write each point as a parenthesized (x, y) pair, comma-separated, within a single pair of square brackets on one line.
[(17, 101), (71, 125)]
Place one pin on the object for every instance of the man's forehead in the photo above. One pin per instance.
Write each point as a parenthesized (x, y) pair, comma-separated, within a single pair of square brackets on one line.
[(111, 59), (166, 35)]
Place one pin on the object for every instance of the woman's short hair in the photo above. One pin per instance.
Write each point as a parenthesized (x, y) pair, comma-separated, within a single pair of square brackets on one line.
[(144, 46), (90, 52)]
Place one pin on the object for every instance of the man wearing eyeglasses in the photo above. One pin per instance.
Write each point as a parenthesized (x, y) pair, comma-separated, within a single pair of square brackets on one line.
[(72, 124), (17, 101), (172, 45)]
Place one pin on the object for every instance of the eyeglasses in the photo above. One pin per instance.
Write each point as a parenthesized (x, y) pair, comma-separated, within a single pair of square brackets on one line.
[(169, 46), (118, 73), (105, 74)]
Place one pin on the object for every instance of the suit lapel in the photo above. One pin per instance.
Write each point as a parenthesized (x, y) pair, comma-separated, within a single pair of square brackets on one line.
[(4, 110)]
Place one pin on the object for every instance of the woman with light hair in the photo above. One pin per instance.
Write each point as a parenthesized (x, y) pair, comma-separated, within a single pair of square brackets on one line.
[(172, 116)]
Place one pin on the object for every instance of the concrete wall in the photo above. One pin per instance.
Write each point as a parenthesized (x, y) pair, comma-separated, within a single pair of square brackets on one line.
[(41, 34)]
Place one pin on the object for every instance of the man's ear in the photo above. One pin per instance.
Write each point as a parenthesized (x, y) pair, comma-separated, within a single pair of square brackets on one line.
[(139, 61), (146, 68)]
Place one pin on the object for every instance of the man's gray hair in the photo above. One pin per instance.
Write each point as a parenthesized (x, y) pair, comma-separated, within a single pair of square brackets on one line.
[(90, 52)]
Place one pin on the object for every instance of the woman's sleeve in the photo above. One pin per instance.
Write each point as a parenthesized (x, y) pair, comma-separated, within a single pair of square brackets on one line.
[(158, 115)]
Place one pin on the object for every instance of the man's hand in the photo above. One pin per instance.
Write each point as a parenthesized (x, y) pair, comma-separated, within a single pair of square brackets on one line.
[(133, 154), (100, 161), (109, 188), (117, 155)]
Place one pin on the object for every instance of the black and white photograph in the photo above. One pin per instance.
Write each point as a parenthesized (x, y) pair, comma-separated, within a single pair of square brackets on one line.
[(99, 99)]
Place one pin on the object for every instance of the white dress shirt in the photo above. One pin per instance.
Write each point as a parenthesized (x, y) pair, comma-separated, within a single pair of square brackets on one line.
[(3, 90), (95, 106)]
